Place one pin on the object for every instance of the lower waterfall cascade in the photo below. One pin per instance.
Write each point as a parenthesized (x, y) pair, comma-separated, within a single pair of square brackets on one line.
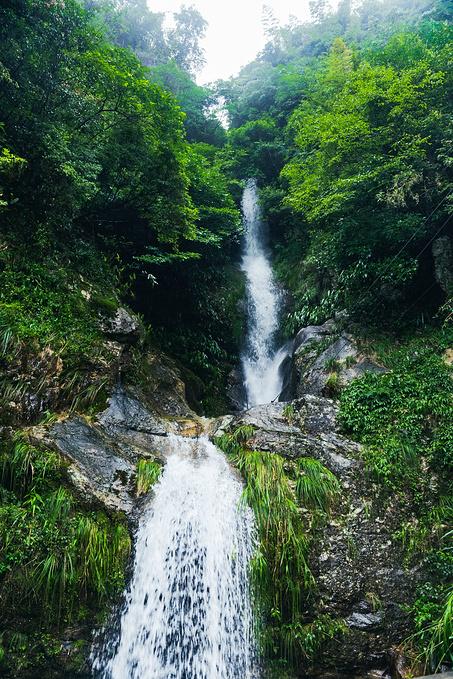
[(188, 612)]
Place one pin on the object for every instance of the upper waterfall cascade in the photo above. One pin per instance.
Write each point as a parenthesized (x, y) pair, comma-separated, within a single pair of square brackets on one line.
[(261, 360), (188, 612)]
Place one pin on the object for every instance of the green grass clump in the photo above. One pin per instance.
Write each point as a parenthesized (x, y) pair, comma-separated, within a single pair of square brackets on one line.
[(277, 490), (105, 304), (55, 555), (316, 487), (432, 615), (333, 365), (148, 473), (333, 385), (309, 638), (440, 643), (289, 413)]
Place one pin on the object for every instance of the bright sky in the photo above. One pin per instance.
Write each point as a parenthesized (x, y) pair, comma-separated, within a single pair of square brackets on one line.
[(235, 32)]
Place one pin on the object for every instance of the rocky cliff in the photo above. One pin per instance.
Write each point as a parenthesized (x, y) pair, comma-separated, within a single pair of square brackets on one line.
[(358, 563)]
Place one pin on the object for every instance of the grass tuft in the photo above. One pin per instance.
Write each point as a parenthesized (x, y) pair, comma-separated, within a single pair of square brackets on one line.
[(148, 473), (277, 490), (316, 487)]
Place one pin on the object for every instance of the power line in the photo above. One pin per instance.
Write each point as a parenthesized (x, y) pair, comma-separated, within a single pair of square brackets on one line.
[(403, 247)]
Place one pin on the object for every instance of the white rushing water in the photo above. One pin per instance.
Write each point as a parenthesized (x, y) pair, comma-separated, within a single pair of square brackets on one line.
[(261, 360), (188, 612)]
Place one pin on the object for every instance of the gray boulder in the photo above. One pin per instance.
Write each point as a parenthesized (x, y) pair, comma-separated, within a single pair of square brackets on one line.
[(235, 390), (123, 326), (102, 454), (97, 468), (325, 360)]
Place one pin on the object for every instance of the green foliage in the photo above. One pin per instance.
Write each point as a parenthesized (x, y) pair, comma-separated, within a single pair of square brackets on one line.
[(255, 151), (316, 486), (23, 465), (39, 304), (53, 554), (197, 102), (350, 175), (404, 415), (148, 473), (307, 640), (132, 24), (432, 613), (289, 412), (440, 647), (276, 490), (102, 195), (280, 571), (346, 124), (423, 534), (205, 329)]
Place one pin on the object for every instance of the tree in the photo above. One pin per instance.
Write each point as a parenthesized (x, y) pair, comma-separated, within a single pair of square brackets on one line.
[(201, 124), (184, 39)]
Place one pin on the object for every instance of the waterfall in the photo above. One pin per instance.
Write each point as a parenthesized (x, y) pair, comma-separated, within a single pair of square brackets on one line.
[(261, 360), (188, 612)]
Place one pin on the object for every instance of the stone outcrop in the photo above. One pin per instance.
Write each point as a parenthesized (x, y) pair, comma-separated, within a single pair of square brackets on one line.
[(102, 452), (123, 326), (235, 391), (313, 432), (162, 387), (356, 558), (325, 359)]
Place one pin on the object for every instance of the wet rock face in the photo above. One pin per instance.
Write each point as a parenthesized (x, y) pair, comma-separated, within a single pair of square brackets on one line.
[(123, 326), (311, 431), (324, 360), (235, 391), (97, 469), (356, 559), (102, 453), (126, 413), (162, 388)]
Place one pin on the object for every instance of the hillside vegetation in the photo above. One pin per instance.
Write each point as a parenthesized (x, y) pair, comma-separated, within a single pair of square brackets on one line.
[(119, 188)]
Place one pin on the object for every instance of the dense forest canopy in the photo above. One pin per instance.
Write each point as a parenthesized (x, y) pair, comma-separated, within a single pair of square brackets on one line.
[(97, 153), (346, 122)]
